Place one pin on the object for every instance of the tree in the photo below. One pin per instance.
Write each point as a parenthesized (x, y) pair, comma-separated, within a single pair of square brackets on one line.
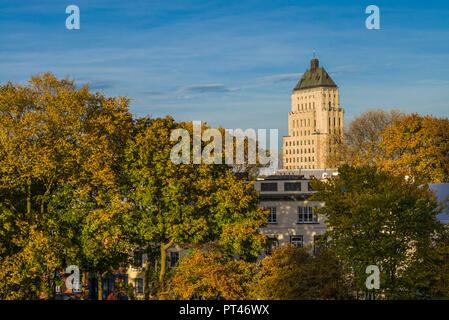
[(375, 218), (292, 273), (358, 146), (417, 146), (185, 203), (210, 272), (412, 145), (60, 148), (282, 275), (327, 278), (428, 276)]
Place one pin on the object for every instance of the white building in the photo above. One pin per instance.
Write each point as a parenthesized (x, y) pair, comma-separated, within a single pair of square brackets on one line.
[(292, 218)]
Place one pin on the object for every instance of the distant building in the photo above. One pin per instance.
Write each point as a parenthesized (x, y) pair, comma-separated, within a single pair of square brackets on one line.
[(314, 115)]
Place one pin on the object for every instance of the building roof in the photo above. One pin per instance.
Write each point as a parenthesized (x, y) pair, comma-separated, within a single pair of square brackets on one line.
[(285, 177), (315, 77)]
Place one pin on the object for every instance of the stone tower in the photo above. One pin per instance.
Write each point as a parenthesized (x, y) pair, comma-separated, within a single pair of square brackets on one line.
[(315, 114)]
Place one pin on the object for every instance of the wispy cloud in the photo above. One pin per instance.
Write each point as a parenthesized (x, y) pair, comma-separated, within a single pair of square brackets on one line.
[(282, 77), (344, 69), (434, 82), (152, 93), (206, 88), (98, 84)]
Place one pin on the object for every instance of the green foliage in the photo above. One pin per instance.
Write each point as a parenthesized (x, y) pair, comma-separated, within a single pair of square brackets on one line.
[(292, 273), (185, 203), (374, 218), (428, 276)]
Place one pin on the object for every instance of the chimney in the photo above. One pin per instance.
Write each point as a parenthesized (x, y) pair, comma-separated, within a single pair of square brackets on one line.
[(314, 64)]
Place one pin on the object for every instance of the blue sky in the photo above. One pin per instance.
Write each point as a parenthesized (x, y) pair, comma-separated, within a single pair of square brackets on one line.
[(234, 63)]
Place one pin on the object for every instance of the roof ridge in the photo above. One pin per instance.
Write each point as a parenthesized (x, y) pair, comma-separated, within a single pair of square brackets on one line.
[(315, 77)]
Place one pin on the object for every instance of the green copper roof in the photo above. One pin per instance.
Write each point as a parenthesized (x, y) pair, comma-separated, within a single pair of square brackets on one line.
[(315, 77)]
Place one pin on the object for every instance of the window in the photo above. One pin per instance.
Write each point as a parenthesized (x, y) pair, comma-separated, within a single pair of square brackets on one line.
[(309, 187), (173, 259), (269, 186), (292, 186), (316, 246), (138, 260), (296, 241), (271, 243), (138, 285), (272, 215), (307, 215)]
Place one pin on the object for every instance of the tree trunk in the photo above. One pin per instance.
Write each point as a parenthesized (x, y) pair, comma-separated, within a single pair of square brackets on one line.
[(146, 285), (83, 282), (29, 197), (163, 266), (164, 248), (100, 285)]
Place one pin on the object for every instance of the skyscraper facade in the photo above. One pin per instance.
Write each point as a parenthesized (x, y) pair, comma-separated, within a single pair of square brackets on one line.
[(314, 117)]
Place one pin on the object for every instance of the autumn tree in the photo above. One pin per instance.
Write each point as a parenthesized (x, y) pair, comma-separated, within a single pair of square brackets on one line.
[(210, 272), (60, 148), (291, 273), (375, 218), (359, 145), (185, 203), (417, 146), (428, 276)]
